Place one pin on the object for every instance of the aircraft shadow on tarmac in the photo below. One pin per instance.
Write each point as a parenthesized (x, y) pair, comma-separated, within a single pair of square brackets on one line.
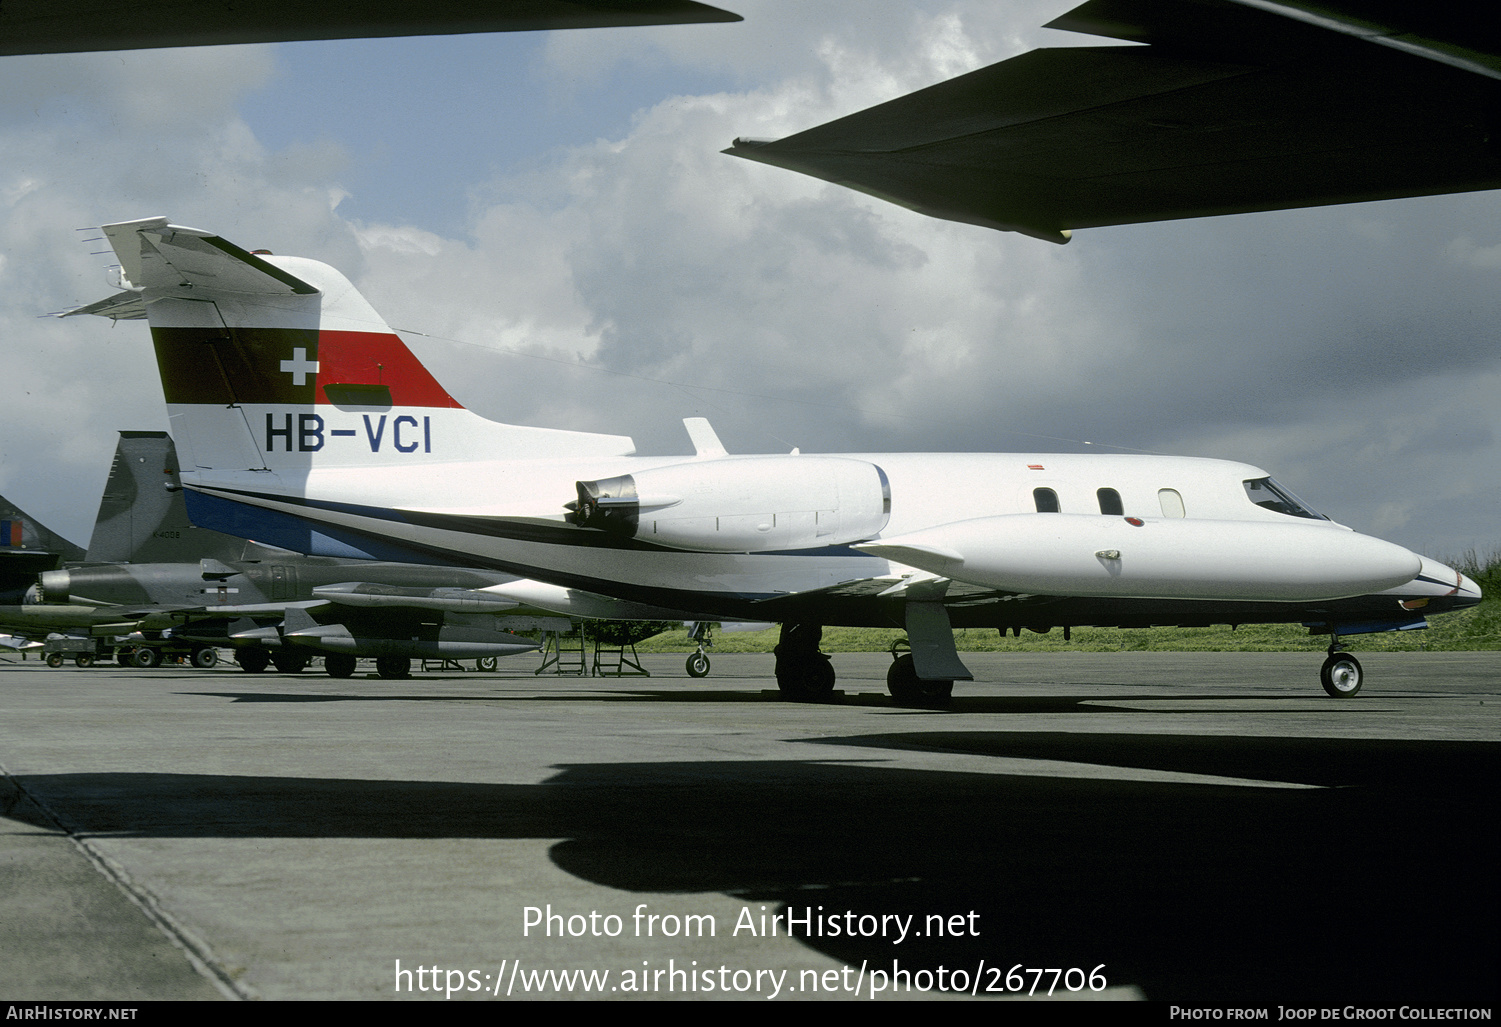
[(721, 696), (1103, 701), (1376, 886)]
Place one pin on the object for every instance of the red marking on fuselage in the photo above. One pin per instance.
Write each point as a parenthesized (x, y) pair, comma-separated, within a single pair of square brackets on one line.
[(378, 358)]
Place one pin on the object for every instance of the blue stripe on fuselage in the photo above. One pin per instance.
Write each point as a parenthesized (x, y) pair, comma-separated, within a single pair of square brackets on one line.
[(288, 531), (274, 528)]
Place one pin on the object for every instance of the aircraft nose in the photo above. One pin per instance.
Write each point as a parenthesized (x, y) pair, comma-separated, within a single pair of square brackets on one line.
[(1440, 587), (1468, 593)]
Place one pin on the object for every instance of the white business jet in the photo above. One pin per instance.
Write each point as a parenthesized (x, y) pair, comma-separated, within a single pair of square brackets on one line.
[(304, 422)]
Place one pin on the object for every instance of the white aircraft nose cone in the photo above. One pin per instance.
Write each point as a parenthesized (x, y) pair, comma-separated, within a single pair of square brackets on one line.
[(1438, 587), (1468, 589)]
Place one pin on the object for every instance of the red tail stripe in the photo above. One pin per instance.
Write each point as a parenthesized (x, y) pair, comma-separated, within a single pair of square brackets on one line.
[(367, 358)]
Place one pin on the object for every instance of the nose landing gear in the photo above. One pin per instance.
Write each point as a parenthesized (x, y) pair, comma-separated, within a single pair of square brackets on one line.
[(698, 663), (1341, 674)]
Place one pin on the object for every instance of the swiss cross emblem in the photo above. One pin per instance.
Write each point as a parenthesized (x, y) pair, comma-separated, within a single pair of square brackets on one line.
[(299, 366)]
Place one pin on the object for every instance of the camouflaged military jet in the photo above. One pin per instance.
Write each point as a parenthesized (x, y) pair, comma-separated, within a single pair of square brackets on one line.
[(157, 585)]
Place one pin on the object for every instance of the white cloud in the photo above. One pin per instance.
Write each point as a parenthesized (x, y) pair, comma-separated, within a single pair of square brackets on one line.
[(622, 285)]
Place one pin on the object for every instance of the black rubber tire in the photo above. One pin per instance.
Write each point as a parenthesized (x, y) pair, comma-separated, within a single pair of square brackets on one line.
[(1341, 676), (339, 665), (394, 668), (290, 663), (252, 661), (806, 680), (907, 689), (698, 666)]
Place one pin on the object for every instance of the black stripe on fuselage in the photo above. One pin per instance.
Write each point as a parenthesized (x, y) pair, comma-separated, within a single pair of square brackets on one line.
[(728, 604), (818, 606), (547, 533)]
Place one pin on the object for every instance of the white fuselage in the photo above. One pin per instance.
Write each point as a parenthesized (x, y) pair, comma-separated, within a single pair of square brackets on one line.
[(304, 421)]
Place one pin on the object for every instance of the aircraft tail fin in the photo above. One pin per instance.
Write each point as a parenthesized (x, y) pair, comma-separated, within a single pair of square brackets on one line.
[(20, 531), (278, 364), (142, 516), (27, 548)]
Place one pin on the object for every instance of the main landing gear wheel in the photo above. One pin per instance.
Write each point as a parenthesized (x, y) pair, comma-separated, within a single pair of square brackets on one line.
[(290, 663), (339, 665), (393, 667), (252, 661), (698, 666), (1341, 675), (806, 680), (803, 673), (910, 690)]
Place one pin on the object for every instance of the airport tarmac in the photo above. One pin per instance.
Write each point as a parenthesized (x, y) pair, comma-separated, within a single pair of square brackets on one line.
[(1189, 827)]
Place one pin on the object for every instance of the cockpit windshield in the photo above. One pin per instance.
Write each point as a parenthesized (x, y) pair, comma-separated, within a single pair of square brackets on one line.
[(1266, 493)]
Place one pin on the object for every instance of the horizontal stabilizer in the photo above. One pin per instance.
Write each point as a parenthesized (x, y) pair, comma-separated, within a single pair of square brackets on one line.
[(154, 254), (123, 306)]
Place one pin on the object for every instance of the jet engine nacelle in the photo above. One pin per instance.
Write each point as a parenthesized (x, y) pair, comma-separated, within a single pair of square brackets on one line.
[(741, 504), (54, 586), (102, 583), (1128, 557)]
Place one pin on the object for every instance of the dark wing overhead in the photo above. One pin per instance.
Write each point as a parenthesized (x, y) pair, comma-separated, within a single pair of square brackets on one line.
[(1232, 107), (68, 26)]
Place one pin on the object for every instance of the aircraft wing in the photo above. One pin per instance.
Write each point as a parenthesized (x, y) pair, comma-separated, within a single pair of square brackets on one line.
[(1234, 106), (69, 26), (39, 619), (855, 599)]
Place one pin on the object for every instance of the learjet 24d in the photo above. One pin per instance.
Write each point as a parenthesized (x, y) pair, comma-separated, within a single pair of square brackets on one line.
[(305, 422)]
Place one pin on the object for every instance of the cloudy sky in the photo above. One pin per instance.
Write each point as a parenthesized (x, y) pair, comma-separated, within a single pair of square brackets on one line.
[(552, 213)]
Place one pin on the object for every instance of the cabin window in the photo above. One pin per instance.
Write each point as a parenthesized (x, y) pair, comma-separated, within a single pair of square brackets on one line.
[(1267, 494), (1046, 500), (1172, 502), (1110, 502)]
